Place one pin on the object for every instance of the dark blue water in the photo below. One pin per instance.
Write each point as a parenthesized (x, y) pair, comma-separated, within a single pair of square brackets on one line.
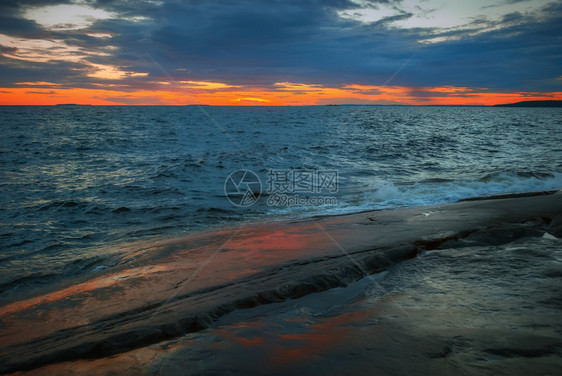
[(78, 182)]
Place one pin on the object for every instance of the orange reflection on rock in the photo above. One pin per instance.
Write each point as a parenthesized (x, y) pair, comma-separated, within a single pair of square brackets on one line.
[(235, 334), (322, 336), (94, 284)]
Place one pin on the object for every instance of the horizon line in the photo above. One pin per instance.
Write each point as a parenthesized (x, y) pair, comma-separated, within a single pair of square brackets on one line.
[(274, 105)]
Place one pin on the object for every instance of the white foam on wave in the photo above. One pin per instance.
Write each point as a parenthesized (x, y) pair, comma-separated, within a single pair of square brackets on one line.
[(387, 194), (381, 194)]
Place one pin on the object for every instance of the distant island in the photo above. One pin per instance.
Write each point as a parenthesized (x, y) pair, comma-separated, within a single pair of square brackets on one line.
[(71, 104), (532, 104)]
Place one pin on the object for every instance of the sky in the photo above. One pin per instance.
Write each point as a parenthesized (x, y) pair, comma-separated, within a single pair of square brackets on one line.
[(286, 52)]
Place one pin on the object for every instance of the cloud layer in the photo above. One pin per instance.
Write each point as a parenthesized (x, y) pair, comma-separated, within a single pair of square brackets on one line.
[(249, 45)]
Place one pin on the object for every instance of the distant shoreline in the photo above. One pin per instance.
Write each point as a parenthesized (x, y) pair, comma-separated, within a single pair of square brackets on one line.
[(535, 104), (552, 103)]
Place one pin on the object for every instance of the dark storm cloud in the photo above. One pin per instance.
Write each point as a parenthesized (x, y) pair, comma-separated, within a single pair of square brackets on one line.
[(8, 5), (503, 2), (67, 74), (388, 20), (247, 43), (7, 50), (50, 92), (18, 27), (13, 24), (520, 57), (260, 43)]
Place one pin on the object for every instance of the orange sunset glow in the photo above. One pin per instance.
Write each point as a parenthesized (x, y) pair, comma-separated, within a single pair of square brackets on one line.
[(279, 94)]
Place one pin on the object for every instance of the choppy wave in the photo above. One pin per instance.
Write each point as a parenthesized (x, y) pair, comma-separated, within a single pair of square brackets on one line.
[(438, 191), (385, 194)]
